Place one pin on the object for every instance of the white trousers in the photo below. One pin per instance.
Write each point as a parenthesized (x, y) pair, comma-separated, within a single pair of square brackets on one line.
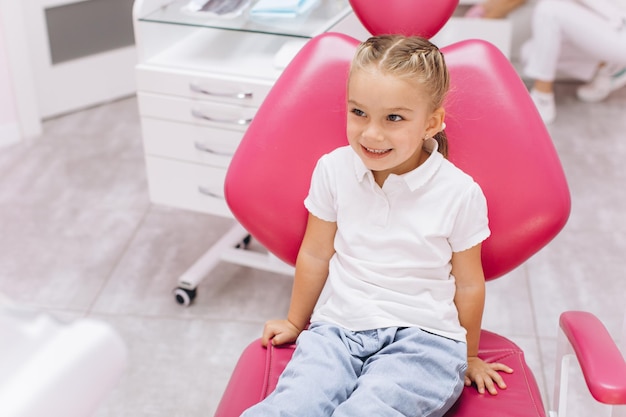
[(568, 37)]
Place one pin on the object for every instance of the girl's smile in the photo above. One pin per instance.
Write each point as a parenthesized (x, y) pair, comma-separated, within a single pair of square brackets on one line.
[(376, 153)]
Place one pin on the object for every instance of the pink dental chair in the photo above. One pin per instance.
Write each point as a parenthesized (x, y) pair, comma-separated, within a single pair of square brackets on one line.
[(495, 134)]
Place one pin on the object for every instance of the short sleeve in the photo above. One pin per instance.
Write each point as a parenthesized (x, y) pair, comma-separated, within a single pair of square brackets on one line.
[(471, 225), (320, 201)]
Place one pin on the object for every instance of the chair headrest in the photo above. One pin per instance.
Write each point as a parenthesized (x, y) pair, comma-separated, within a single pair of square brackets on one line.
[(408, 17)]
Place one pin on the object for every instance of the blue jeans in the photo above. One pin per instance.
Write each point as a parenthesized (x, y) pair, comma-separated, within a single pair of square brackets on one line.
[(383, 373)]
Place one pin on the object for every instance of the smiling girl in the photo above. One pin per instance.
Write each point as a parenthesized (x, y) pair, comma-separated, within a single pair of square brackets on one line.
[(389, 274)]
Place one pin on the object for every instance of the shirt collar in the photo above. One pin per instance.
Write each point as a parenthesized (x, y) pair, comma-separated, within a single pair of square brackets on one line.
[(413, 179)]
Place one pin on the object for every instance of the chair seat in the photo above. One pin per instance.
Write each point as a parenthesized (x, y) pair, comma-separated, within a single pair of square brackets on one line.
[(258, 369), (522, 398)]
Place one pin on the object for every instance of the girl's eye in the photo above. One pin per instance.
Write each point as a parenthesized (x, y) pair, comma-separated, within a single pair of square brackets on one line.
[(394, 118), (358, 112)]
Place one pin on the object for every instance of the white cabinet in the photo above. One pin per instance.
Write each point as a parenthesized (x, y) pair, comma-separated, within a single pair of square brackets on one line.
[(200, 81)]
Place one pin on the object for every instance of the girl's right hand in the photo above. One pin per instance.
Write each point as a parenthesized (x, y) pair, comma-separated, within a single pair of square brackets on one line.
[(279, 332)]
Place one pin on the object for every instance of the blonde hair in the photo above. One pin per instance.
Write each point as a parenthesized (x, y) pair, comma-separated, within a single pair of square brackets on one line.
[(413, 58)]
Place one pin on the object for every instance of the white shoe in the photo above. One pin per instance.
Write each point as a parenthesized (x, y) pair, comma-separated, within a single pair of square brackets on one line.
[(545, 105), (603, 84)]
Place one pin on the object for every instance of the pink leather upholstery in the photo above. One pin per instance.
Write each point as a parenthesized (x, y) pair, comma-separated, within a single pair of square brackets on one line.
[(409, 17), (258, 369), (494, 130), (601, 361), (495, 134)]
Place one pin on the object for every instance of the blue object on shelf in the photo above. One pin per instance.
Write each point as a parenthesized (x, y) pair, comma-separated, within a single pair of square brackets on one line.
[(281, 8)]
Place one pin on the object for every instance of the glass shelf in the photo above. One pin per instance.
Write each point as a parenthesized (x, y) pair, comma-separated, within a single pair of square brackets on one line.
[(324, 15)]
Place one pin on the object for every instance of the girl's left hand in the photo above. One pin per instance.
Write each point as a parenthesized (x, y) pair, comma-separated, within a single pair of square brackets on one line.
[(485, 375)]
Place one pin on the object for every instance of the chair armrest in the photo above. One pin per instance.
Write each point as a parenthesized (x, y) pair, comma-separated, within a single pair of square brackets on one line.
[(602, 364)]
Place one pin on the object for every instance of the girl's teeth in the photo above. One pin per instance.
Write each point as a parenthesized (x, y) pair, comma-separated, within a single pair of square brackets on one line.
[(376, 150)]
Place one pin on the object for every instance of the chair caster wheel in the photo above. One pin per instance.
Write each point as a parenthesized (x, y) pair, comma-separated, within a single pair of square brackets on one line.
[(245, 242), (184, 296)]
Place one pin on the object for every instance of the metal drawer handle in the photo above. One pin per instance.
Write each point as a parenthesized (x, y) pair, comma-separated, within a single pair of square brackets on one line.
[(205, 190), (239, 122), (203, 148), (241, 95)]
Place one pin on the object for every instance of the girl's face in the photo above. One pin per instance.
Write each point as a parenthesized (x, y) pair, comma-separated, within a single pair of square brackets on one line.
[(388, 119)]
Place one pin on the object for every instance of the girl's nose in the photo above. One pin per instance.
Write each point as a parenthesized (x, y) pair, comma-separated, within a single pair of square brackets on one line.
[(373, 132)]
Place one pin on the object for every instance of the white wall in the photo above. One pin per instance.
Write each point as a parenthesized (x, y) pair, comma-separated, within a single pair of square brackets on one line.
[(9, 128), (16, 72)]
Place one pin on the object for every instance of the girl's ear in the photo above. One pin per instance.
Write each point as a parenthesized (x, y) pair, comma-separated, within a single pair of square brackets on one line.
[(435, 122)]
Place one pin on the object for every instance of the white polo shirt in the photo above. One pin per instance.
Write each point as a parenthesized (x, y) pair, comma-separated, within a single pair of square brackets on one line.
[(394, 244)]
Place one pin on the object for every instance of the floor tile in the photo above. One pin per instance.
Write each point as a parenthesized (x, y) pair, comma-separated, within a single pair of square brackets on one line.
[(176, 367), (60, 259), (578, 271), (166, 245)]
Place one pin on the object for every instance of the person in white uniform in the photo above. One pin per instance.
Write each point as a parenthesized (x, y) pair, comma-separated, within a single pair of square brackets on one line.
[(389, 272), (493, 9), (585, 39)]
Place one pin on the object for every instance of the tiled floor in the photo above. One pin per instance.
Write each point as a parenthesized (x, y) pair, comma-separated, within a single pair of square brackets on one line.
[(79, 237)]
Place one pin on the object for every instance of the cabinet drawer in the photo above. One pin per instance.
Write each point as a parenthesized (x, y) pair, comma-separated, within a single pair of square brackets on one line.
[(189, 142), (187, 186), (205, 113), (202, 86)]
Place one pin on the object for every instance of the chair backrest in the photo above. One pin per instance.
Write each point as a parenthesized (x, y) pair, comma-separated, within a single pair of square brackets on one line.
[(494, 130)]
